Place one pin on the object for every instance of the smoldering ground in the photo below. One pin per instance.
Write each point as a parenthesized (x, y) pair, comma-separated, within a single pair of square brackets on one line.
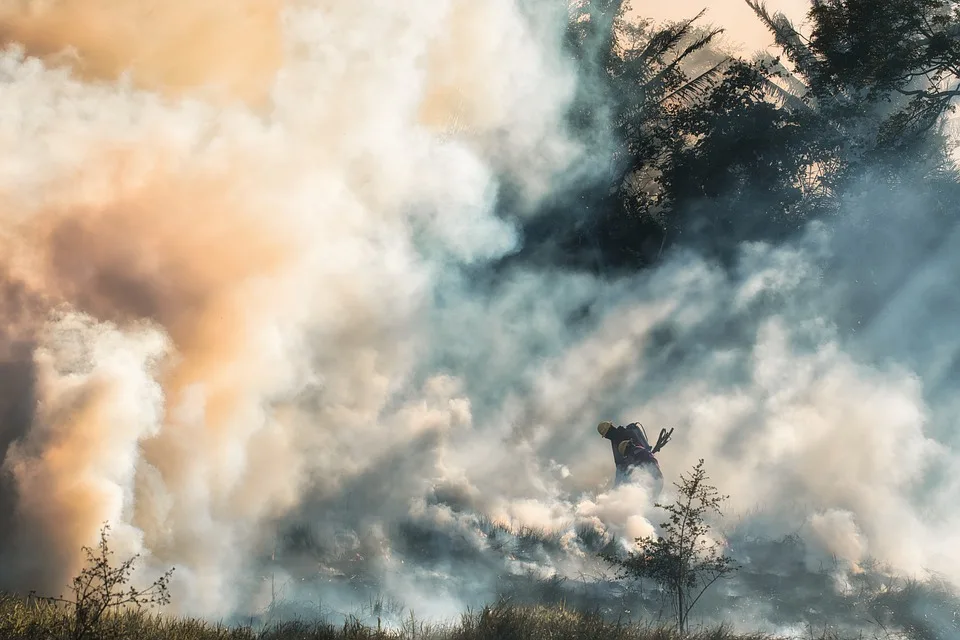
[(828, 457), (266, 308)]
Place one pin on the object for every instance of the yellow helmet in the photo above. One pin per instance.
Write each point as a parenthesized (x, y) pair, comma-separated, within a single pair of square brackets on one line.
[(622, 447), (603, 427)]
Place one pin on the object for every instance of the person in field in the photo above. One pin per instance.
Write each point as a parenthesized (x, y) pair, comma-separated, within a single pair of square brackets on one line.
[(632, 452)]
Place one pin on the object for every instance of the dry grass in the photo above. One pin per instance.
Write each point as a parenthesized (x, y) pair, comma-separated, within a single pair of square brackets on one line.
[(29, 620)]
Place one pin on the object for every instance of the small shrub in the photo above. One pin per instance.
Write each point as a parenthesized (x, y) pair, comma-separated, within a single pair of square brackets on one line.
[(681, 560), (102, 590)]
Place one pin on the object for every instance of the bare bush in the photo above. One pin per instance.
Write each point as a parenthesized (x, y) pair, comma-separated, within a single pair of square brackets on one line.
[(102, 589)]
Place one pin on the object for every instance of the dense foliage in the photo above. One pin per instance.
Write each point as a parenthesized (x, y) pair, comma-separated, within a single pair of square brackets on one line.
[(693, 146)]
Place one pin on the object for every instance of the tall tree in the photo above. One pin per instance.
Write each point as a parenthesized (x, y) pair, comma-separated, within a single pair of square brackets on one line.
[(885, 73), (633, 77), (691, 146)]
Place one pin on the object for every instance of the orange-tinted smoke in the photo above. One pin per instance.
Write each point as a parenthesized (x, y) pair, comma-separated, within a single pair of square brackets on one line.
[(183, 249), (223, 49)]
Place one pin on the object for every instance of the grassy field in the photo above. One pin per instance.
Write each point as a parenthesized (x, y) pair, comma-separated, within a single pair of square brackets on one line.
[(775, 588), (22, 619), (874, 605)]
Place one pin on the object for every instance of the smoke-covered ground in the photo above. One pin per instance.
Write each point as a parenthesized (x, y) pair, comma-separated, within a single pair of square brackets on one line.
[(249, 290)]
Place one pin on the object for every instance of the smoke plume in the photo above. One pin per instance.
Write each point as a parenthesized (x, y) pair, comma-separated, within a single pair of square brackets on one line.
[(246, 253)]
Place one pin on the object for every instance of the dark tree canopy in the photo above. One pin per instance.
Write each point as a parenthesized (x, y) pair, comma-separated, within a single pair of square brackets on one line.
[(690, 146)]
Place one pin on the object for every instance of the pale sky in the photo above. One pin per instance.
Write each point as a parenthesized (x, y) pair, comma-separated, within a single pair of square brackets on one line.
[(743, 27)]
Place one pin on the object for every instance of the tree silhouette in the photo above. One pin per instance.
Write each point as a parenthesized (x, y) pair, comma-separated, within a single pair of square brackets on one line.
[(689, 146)]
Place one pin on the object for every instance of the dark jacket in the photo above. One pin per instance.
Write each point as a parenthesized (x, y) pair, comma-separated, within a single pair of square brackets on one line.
[(638, 454), (616, 435)]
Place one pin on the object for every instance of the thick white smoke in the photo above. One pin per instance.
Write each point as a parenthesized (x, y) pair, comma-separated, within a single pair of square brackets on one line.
[(247, 293), (271, 251)]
